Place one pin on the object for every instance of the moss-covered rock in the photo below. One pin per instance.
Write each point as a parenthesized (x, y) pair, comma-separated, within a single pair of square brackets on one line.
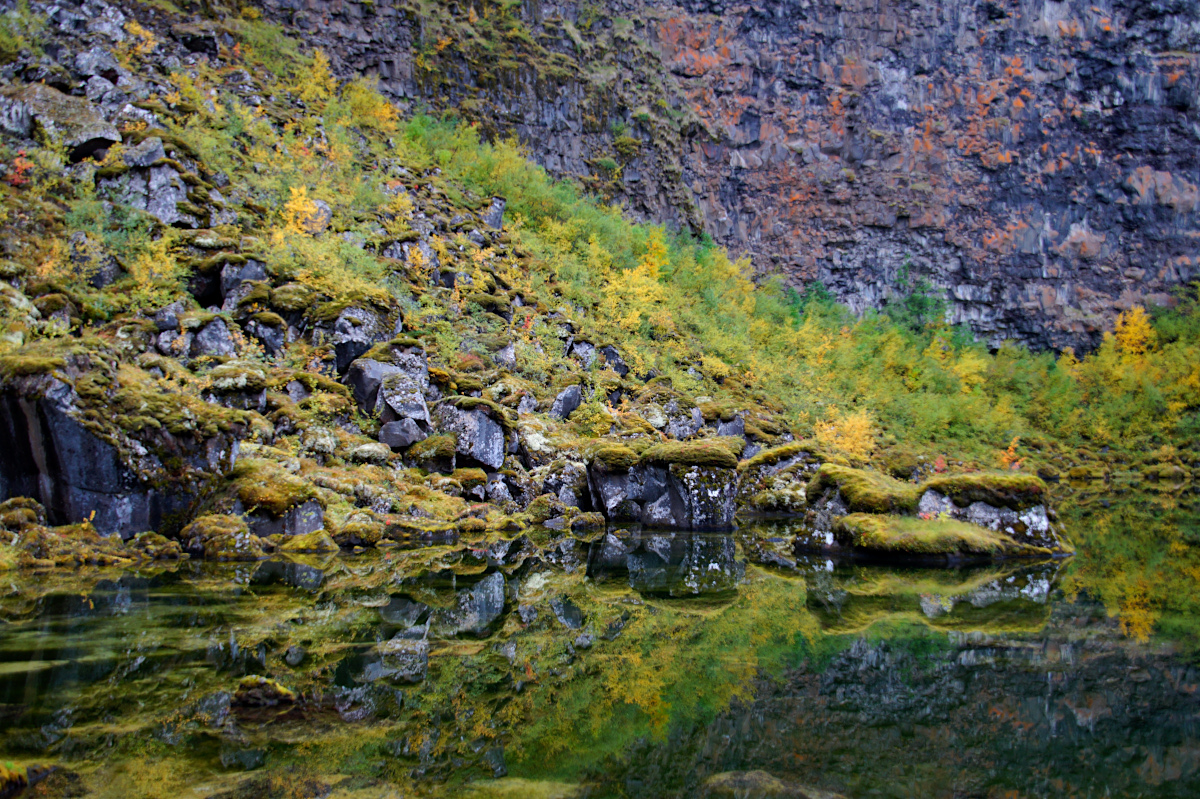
[(152, 546), (905, 535), (1013, 490), (774, 455), (864, 491), (318, 541), (262, 484), (712, 453), (222, 537), (614, 457)]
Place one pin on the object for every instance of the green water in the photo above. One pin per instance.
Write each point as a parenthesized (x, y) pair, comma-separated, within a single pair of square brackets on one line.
[(632, 664)]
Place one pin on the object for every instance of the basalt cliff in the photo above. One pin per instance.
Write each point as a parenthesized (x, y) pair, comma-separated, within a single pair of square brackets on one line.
[(1032, 160)]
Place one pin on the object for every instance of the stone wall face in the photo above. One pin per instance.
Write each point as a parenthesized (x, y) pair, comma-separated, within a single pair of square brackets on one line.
[(1033, 159)]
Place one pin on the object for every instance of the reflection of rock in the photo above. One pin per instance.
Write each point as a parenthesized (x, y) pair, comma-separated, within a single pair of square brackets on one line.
[(476, 608), (851, 598), (671, 564)]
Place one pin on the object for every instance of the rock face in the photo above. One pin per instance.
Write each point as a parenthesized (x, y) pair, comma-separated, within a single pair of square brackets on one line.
[(1030, 159), (665, 495), (49, 455)]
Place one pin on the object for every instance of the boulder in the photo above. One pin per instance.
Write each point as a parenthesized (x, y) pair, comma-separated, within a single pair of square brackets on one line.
[(494, 217), (364, 378), (566, 402), (672, 495), (614, 360), (354, 332), (61, 119), (214, 341), (479, 438), (401, 434), (48, 454), (302, 519), (402, 396)]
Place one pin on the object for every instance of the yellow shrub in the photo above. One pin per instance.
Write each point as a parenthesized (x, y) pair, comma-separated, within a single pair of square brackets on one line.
[(851, 434), (1134, 334)]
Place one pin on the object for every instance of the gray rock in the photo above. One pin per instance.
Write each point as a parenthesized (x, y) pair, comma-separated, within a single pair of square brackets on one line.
[(356, 331), (736, 427), (402, 396), (934, 503), (405, 659), (319, 218), (614, 360), (682, 424), (585, 352), (364, 377), (213, 340), (675, 496), (271, 337), (494, 218), (167, 318), (480, 438), (69, 121), (98, 61), (401, 434), (566, 402), (50, 456), (307, 517), (146, 154)]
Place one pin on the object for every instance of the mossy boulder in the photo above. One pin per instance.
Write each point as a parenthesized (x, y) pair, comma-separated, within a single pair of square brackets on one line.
[(614, 457), (223, 537), (936, 538), (152, 546), (264, 485), (1014, 490), (71, 545), (864, 491), (317, 541), (711, 453)]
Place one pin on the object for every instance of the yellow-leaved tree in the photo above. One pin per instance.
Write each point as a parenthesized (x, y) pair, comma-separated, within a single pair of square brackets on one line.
[(1135, 335), (851, 434)]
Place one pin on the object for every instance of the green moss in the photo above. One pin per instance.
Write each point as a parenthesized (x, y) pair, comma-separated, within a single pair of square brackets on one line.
[(615, 457), (908, 535), (770, 457), (316, 541), (292, 297), (865, 491), (442, 446), (1001, 489), (505, 416), (27, 365), (264, 485), (543, 508), (256, 691), (386, 351), (223, 537), (319, 382), (237, 377), (470, 478), (359, 532), (269, 319), (713, 453)]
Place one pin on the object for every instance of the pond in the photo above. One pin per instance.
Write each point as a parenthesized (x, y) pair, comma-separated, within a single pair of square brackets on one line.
[(626, 663)]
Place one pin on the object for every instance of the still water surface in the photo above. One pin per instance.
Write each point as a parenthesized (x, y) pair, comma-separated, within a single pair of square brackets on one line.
[(628, 664)]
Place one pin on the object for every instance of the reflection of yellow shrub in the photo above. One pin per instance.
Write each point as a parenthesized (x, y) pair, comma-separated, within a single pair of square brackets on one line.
[(851, 434)]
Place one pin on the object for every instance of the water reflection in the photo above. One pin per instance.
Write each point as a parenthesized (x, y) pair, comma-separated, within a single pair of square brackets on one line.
[(632, 662)]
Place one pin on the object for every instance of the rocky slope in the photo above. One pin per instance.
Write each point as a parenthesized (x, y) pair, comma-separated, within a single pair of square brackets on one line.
[(1031, 159), (195, 346)]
